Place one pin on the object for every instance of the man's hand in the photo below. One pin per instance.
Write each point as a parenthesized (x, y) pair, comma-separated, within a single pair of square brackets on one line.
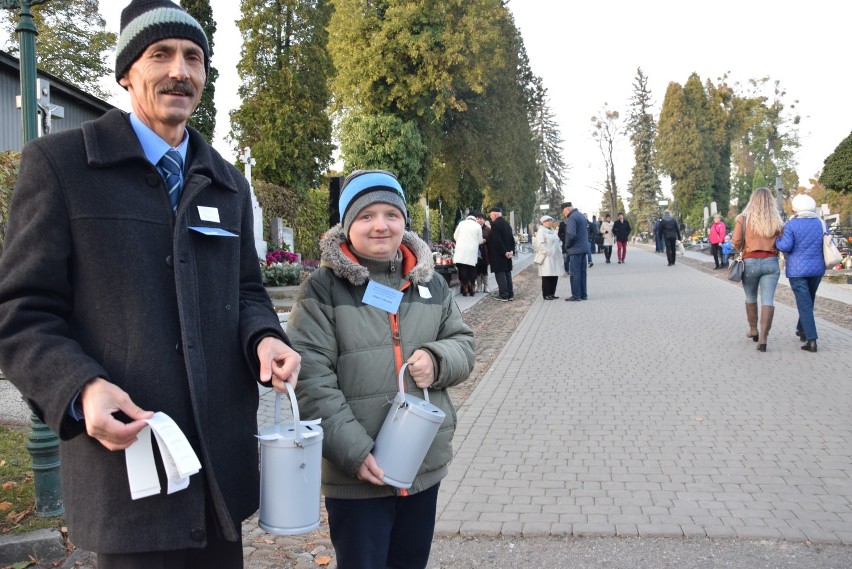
[(278, 363), (100, 399), (369, 471), (422, 368)]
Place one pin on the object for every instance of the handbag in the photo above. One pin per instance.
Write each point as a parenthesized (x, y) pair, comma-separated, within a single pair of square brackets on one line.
[(539, 257), (737, 267), (830, 254)]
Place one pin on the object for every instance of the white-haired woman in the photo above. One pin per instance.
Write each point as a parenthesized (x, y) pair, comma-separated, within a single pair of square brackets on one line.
[(549, 250), (801, 242), (755, 232)]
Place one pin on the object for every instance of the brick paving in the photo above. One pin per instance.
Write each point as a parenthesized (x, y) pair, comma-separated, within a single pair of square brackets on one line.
[(645, 411)]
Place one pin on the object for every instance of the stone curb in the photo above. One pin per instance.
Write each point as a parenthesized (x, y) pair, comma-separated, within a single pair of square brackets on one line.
[(43, 545)]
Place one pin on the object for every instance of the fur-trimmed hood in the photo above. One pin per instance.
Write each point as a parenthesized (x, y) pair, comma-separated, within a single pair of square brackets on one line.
[(335, 258)]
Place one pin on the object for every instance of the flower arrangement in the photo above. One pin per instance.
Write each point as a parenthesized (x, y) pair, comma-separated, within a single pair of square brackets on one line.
[(282, 268), (444, 247), (282, 256)]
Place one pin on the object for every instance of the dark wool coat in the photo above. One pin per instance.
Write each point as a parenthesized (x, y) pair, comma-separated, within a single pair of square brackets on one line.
[(99, 278), (669, 228), (576, 240), (500, 241), (621, 229)]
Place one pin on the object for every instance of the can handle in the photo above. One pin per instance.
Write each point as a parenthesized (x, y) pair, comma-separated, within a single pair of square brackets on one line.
[(402, 384), (297, 424)]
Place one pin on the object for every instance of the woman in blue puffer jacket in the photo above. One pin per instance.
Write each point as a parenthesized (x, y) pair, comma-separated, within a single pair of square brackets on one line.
[(801, 241)]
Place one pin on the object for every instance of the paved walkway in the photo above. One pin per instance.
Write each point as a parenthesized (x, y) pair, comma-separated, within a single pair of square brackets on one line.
[(645, 411)]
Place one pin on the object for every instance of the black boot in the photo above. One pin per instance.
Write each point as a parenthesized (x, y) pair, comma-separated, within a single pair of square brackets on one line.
[(810, 346)]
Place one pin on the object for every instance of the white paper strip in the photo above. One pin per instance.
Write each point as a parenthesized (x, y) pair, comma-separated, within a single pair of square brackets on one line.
[(179, 460)]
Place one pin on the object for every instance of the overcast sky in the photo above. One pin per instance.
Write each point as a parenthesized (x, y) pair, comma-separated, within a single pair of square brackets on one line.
[(587, 54)]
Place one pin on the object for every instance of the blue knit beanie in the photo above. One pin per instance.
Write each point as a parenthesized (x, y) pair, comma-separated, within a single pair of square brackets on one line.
[(365, 187), (144, 22)]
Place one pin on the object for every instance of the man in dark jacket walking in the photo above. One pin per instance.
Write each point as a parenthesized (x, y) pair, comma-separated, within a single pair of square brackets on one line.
[(670, 232), (501, 249), (621, 229), (658, 237), (576, 246), (130, 283)]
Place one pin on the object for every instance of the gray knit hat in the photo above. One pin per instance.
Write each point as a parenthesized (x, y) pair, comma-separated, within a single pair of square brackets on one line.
[(144, 22), (364, 187)]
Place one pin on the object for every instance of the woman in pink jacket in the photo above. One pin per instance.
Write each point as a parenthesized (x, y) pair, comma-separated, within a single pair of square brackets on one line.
[(717, 237)]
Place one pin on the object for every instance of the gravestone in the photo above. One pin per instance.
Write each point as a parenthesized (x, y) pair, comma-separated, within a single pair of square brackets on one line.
[(259, 242), (276, 234)]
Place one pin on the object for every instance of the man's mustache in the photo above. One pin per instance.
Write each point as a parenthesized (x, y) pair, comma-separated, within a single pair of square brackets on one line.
[(178, 88)]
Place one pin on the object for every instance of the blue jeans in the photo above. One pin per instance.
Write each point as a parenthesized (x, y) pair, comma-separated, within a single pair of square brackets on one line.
[(761, 274), (578, 268), (389, 533), (804, 288)]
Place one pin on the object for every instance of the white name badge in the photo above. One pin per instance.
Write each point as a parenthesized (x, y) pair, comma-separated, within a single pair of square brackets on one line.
[(424, 291), (208, 213), (382, 297)]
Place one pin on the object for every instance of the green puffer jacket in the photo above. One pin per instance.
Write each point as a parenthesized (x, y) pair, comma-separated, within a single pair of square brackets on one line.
[(349, 372)]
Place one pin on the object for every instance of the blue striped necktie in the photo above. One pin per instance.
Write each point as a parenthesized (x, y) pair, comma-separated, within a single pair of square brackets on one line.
[(171, 165)]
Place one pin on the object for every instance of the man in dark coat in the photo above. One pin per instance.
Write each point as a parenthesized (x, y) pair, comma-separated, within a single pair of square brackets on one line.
[(621, 229), (129, 286), (576, 246), (593, 231), (658, 237), (670, 232), (501, 249)]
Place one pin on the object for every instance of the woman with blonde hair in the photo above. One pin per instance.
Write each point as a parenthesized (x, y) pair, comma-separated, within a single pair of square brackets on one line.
[(754, 234)]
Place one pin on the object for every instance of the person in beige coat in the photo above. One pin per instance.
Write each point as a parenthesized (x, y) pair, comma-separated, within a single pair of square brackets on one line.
[(548, 250), (608, 237)]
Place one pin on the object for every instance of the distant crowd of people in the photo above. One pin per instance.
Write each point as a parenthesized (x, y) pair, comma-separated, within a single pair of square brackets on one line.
[(567, 251)]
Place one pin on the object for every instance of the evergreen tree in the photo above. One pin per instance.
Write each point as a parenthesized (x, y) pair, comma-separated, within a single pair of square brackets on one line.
[(204, 117), (644, 186), (701, 178), (507, 142), (71, 44), (718, 145), (548, 145), (285, 70), (384, 142), (680, 152), (415, 60), (427, 63), (837, 173)]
